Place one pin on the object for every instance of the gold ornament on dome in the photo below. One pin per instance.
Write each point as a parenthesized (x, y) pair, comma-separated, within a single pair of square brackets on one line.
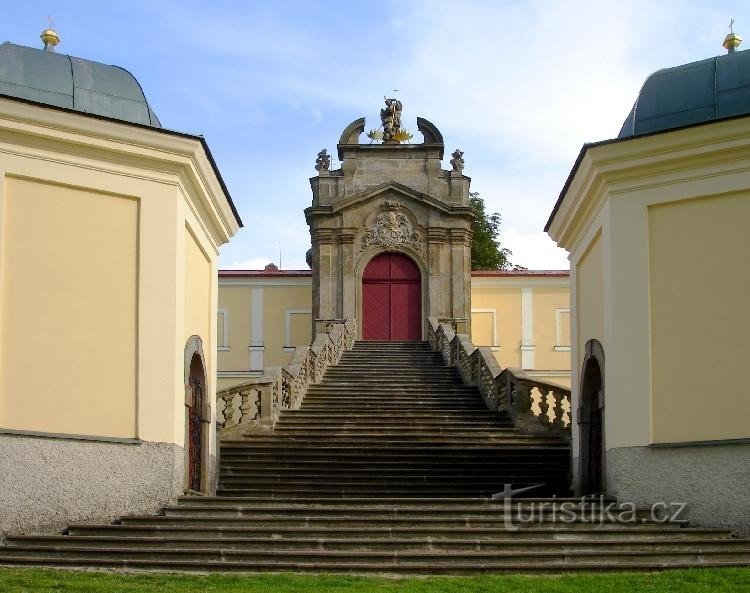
[(375, 135)]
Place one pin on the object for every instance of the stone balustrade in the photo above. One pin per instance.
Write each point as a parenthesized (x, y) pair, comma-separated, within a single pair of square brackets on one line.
[(534, 406), (254, 405)]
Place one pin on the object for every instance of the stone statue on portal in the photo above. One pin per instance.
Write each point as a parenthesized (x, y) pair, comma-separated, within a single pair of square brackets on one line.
[(391, 119)]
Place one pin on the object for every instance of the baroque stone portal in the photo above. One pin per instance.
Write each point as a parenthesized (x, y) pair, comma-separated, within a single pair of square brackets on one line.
[(396, 198)]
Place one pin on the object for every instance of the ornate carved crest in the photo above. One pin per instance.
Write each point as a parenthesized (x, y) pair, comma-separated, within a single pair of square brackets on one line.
[(392, 228)]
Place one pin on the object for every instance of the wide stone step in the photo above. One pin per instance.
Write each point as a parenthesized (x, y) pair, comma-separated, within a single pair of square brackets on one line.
[(391, 424), (414, 400), (552, 532), (404, 416), (357, 521), (342, 444), (439, 477), (357, 511), (32, 544), (390, 468), (595, 505), (433, 384), (303, 492)]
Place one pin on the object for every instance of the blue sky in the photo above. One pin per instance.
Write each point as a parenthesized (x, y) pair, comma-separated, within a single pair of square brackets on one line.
[(518, 86)]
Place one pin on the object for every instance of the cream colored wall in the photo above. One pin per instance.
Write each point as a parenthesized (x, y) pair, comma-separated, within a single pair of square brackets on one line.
[(506, 302), (493, 298), (699, 329), (548, 353), (69, 298), (617, 188), (282, 297), (276, 301), (237, 300), (103, 253), (197, 292), (590, 295), (502, 297)]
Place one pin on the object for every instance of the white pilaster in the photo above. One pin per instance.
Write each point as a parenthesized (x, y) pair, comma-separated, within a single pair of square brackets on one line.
[(527, 327), (256, 347)]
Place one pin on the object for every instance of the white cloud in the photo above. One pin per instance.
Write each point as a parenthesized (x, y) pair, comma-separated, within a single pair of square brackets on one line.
[(255, 263), (535, 251)]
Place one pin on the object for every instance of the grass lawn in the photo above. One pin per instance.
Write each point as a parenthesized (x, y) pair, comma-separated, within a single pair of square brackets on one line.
[(734, 580)]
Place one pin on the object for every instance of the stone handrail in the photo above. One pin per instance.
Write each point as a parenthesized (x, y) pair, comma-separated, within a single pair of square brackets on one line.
[(254, 406), (534, 406)]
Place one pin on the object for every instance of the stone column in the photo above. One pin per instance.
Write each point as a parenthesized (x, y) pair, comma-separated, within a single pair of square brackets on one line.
[(461, 276), (438, 291), (348, 307), (324, 275)]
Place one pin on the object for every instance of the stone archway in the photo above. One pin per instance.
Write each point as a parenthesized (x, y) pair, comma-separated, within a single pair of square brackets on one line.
[(592, 475), (197, 412), (391, 298)]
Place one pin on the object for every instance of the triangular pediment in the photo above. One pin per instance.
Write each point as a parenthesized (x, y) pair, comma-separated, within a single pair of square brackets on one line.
[(391, 188)]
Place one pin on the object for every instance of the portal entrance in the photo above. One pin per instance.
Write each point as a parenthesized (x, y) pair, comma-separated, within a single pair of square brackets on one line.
[(391, 299), (591, 421), (197, 385)]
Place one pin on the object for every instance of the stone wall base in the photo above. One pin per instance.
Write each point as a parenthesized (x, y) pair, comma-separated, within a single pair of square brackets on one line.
[(714, 481), (48, 483)]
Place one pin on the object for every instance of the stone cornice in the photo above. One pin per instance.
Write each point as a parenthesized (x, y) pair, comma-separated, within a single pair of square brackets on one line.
[(122, 148), (398, 189), (625, 166)]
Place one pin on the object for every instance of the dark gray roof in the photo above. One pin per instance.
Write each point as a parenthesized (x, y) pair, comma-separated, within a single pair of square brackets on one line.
[(694, 93), (64, 81)]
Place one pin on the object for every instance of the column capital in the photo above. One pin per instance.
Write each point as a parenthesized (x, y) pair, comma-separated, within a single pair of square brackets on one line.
[(437, 235), (321, 236), (461, 236)]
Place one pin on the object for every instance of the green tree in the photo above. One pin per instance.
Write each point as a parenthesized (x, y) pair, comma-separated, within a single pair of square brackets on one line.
[(486, 252)]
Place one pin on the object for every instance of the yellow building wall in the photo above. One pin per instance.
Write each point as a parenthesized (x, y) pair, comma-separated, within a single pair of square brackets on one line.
[(699, 330), (496, 323), (237, 300), (547, 302), (68, 318), (507, 305), (589, 294), (197, 292), (276, 301)]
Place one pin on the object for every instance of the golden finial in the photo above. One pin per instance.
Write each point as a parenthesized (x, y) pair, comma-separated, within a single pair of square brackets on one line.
[(50, 36), (731, 41)]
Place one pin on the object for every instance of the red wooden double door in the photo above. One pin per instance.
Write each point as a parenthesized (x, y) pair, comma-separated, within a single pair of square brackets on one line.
[(391, 299)]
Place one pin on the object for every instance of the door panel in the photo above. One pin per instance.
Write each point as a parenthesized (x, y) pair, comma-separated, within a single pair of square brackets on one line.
[(376, 311), (406, 319), (391, 299)]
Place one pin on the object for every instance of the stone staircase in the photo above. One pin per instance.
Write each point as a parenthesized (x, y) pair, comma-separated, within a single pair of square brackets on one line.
[(389, 466)]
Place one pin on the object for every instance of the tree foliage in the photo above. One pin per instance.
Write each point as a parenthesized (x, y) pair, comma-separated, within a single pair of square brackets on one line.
[(486, 251)]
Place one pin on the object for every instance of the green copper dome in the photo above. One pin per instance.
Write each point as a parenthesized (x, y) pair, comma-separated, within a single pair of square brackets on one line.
[(698, 92), (64, 81)]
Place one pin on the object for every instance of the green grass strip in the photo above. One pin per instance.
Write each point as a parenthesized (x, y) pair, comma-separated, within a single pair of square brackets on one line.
[(734, 580)]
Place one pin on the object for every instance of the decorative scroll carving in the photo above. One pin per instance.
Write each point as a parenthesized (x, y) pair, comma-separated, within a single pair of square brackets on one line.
[(392, 228)]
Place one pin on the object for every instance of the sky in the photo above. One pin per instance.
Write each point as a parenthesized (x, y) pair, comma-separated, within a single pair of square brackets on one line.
[(519, 86)]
